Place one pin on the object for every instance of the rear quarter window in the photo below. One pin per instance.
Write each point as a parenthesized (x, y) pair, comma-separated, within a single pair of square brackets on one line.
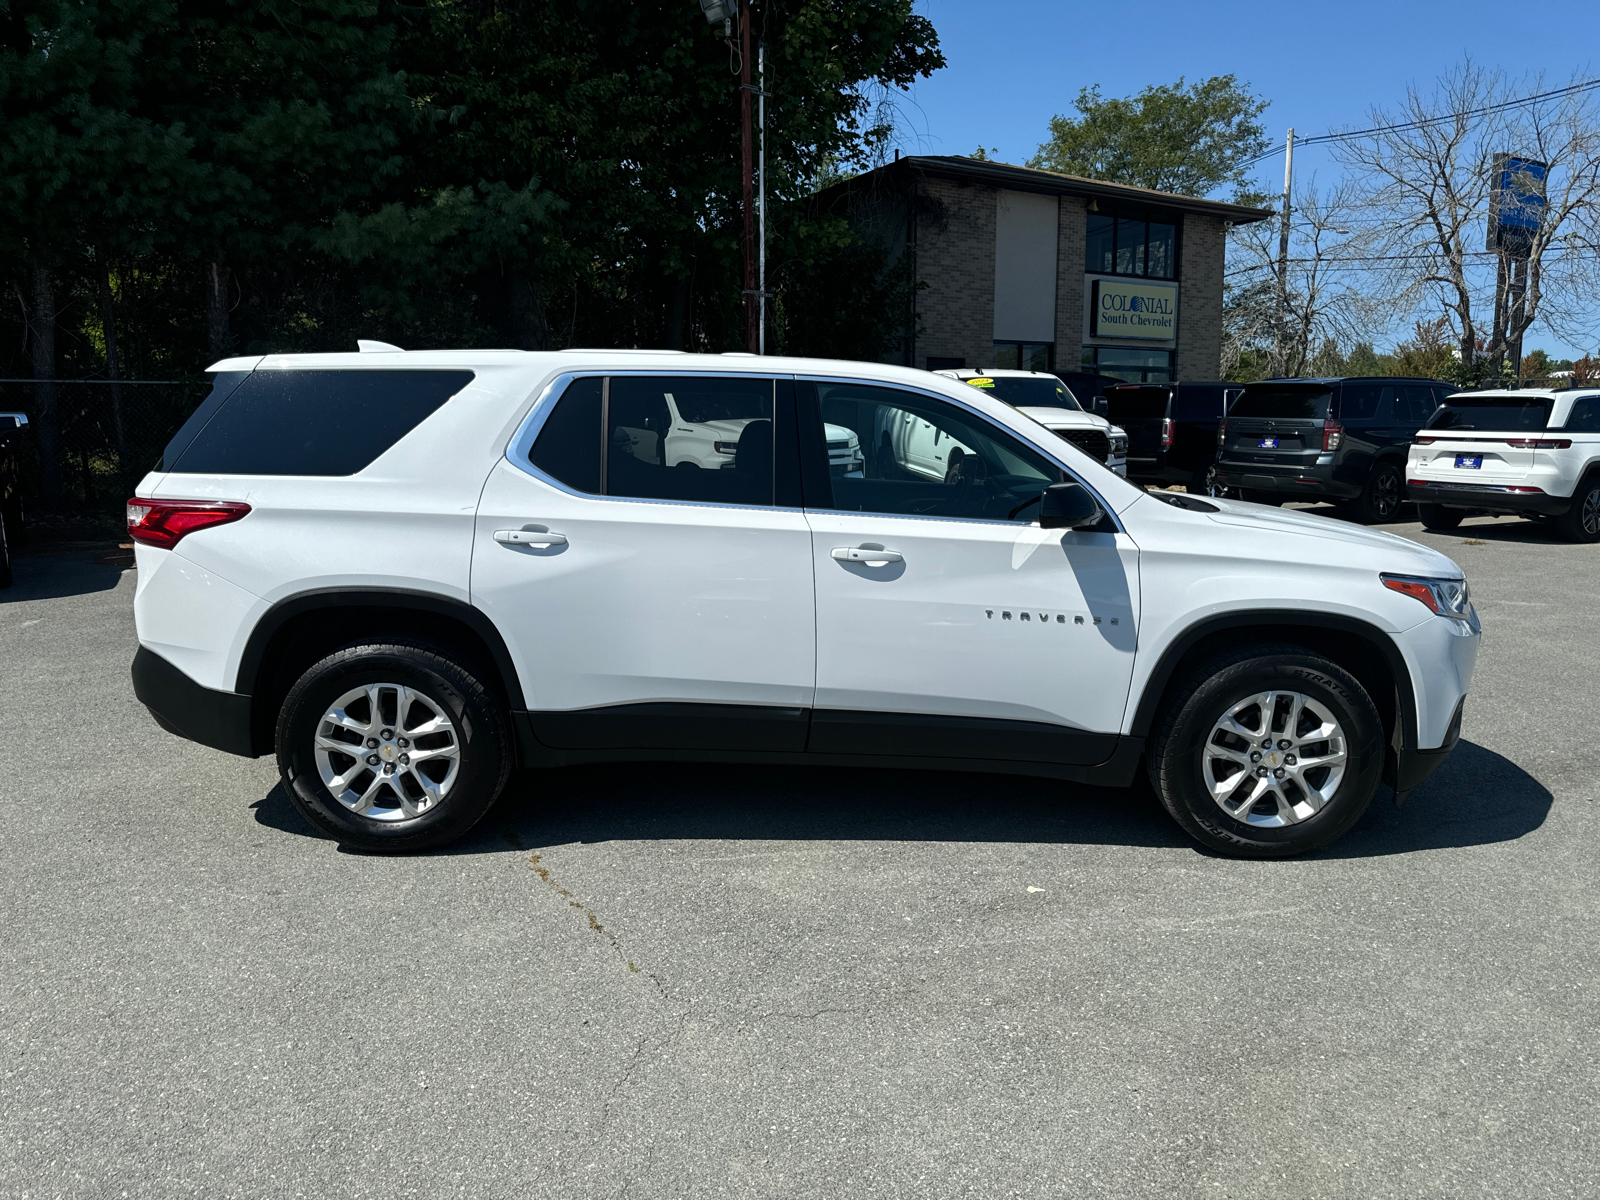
[(1293, 400), (1196, 403), (307, 422), (1584, 417), (1136, 403)]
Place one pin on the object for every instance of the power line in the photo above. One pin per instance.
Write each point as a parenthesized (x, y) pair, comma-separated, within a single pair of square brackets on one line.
[(1571, 89)]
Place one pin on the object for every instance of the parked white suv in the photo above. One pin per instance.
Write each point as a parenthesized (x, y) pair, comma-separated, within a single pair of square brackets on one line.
[(1046, 399), (405, 573), (1534, 453)]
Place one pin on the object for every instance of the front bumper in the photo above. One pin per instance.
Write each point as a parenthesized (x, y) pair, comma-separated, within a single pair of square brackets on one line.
[(220, 720), (1487, 497)]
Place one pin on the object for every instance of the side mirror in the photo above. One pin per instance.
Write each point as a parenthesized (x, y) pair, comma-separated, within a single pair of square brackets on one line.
[(1102, 407), (1068, 506)]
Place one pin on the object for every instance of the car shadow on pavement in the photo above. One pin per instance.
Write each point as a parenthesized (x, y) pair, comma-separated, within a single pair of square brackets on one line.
[(1477, 798), (55, 576), (1506, 529)]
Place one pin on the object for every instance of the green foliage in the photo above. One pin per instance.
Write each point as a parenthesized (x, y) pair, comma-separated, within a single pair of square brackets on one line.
[(458, 172), (1481, 372), (1189, 140)]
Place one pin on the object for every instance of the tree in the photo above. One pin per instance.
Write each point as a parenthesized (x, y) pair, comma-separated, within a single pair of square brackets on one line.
[(1536, 364), (1189, 140), (1426, 175)]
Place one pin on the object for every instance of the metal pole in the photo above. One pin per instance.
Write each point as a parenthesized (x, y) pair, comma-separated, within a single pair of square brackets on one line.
[(761, 62), (751, 338), (1282, 347)]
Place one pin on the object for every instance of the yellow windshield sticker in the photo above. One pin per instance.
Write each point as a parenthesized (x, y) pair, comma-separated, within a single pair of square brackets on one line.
[(988, 383)]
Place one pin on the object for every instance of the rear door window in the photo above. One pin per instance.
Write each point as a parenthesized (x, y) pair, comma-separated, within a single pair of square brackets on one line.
[(307, 422), (1304, 401), (1500, 414)]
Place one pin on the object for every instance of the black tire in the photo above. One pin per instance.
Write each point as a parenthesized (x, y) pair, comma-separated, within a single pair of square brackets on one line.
[(1436, 516), (1383, 496), (1270, 498), (1200, 700), (1581, 522), (480, 731), (5, 558)]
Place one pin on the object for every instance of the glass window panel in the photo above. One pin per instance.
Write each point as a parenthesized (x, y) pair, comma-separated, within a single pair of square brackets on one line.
[(1584, 417), (1036, 356), (1364, 401), (1161, 259), (568, 446), (1130, 247), (927, 457), (1101, 244), (1131, 366), (689, 438), (1007, 356)]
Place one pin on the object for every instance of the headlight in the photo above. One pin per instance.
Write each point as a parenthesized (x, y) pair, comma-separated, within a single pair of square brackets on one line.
[(1446, 597)]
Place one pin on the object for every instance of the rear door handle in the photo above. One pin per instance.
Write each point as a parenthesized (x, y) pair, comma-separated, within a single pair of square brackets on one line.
[(870, 558), (529, 537)]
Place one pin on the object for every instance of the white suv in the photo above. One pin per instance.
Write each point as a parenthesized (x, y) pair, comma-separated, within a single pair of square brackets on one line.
[(1046, 399), (406, 573), (1535, 453)]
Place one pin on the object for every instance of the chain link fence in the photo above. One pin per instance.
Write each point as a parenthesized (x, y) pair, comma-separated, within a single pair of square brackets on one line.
[(102, 435)]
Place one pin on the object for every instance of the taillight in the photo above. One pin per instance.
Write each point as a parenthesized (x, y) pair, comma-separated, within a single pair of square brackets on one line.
[(1332, 435), (1166, 433), (1419, 440), (1540, 443), (165, 523), (1222, 433)]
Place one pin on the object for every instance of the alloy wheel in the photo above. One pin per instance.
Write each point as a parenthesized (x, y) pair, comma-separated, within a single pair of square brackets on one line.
[(1386, 493), (1590, 515), (1274, 759), (387, 752)]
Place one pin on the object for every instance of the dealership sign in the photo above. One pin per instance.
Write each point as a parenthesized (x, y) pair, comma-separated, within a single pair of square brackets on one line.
[(1126, 309)]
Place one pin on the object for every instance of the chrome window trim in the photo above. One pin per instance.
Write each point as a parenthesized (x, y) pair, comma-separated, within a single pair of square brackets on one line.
[(520, 446)]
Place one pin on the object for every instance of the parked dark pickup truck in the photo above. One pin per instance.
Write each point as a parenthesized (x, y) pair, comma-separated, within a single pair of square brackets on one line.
[(1172, 429)]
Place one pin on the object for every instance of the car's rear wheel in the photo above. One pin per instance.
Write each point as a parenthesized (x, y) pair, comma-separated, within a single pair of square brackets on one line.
[(1381, 499), (1437, 516), (1267, 751), (1581, 522), (392, 745)]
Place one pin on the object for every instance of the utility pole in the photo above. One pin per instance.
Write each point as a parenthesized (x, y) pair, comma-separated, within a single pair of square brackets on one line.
[(761, 275), (752, 329), (1281, 340)]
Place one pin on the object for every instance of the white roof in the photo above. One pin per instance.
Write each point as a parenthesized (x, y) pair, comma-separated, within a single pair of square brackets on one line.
[(1001, 373)]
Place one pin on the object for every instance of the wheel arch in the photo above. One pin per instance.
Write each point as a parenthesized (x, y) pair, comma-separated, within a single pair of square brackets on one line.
[(1358, 646), (296, 632)]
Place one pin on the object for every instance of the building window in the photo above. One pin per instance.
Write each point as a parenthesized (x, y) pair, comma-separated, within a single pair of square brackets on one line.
[(1131, 244), (1023, 356), (1134, 366)]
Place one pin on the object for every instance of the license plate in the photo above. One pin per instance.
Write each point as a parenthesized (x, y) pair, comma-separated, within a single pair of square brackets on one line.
[(1269, 443), (1472, 461)]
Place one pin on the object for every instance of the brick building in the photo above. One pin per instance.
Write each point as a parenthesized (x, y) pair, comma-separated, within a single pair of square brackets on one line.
[(1048, 272)]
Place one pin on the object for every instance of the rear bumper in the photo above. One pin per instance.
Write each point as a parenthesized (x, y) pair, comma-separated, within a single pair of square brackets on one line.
[(1294, 479), (1487, 497), (220, 720)]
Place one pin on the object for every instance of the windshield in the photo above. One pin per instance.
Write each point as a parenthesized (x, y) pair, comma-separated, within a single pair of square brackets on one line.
[(1306, 401), (1020, 392), (1136, 403), (1509, 414)]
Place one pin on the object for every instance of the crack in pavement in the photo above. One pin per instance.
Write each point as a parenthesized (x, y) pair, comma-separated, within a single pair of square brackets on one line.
[(594, 922)]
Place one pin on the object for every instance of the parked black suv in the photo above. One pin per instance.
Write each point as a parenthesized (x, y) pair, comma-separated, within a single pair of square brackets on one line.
[(1172, 429), (1334, 439)]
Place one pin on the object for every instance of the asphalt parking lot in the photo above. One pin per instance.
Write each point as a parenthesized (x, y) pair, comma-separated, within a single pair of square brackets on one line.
[(686, 981)]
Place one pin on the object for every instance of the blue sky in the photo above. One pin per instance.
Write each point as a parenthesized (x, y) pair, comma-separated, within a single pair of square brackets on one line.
[(1323, 66)]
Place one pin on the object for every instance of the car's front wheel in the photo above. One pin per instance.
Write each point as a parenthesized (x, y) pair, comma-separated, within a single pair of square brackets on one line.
[(1267, 752), (392, 745)]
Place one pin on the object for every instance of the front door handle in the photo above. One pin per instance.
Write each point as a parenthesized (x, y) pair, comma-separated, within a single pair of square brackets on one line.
[(529, 537), (870, 558)]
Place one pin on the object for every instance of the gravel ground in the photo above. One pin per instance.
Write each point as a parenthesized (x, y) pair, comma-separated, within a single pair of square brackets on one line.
[(702, 981)]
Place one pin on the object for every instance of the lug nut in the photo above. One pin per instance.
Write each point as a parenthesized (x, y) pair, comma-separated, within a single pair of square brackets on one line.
[(405, 760), (401, 742), (1261, 772), (387, 734), (1285, 744), (1290, 759), (1278, 773), (388, 768), (1266, 744), (1255, 756), (372, 760), (372, 743)]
